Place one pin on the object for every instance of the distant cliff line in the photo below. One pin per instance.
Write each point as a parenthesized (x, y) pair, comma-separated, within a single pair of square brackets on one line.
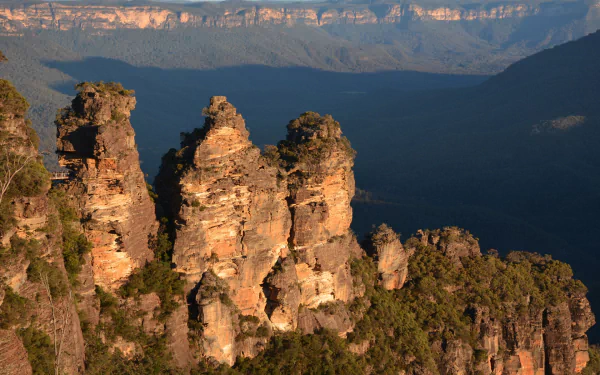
[(64, 16)]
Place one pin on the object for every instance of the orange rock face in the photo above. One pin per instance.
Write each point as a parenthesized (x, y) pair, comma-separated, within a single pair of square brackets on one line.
[(392, 259), (237, 215), (63, 16), (96, 143), (13, 356)]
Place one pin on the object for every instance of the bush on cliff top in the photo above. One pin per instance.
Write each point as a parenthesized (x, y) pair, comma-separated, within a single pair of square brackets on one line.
[(105, 87), (12, 101), (74, 243)]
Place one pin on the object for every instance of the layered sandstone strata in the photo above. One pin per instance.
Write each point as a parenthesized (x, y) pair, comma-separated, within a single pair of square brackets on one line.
[(63, 16), (318, 161), (228, 205), (273, 230), (384, 245), (541, 339), (96, 143), (30, 235)]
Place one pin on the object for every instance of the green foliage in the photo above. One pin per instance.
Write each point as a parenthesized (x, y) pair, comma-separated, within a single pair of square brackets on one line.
[(7, 219), (312, 138), (31, 181), (12, 101), (105, 88), (593, 366), (250, 327), (14, 309), (40, 350), (40, 267), (156, 277), (153, 196), (385, 319), (74, 243), (294, 353), (100, 360), (75, 246)]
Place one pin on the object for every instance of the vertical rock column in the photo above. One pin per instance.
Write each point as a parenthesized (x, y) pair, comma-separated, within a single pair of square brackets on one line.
[(96, 143), (228, 205), (391, 257), (321, 183)]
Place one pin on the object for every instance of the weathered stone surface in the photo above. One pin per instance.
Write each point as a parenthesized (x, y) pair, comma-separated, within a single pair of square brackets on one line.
[(177, 330), (96, 143), (13, 356), (35, 222), (64, 16), (218, 316), (454, 242), (332, 316), (384, 245), (283, 296), (319, 161), (229, 206)]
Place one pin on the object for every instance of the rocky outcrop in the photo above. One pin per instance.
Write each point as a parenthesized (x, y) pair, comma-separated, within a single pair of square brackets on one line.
[(95, 142), (263, 241), (31, 260), (13, 356), (63, 16), (384, 245), (273, 228), (453, 242), (318, 162), (228, 205), (230, 212), (543, 334)]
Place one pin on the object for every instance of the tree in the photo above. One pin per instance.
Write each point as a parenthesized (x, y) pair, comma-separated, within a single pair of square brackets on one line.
[(59, 328), (11, 164)]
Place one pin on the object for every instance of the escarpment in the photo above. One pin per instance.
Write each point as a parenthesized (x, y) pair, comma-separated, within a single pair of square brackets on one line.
[(63, 16), (253, 265), (95, 143), (37, 309)]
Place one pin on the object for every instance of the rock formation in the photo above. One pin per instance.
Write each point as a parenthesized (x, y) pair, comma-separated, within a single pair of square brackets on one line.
[(95, 142), (385, 247), (276, 235), (540, 337), (318, 162), (263, 244), (63, 16), (33, 280)]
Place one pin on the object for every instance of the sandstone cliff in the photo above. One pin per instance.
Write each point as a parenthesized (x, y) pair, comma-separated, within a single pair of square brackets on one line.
[(529, 334), (35, 298), (64, 16), (384, 245), (95, 142), (276, 235), (263, 248)]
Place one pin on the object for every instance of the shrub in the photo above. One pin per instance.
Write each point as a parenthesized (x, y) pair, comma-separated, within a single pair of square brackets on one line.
[(40, 350), (14, 309), (156, 277)]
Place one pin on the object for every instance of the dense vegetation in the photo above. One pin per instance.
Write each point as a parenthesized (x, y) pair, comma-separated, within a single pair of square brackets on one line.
[(403, 328)]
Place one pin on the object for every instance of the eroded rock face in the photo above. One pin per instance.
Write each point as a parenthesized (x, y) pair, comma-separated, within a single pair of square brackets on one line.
[(31, 234), (283, 295), (391, 257), (229, 206), (453, 242), (319, 161), (218, 316), (13, 356), (237, 212), (95, 142), (58, 16)]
